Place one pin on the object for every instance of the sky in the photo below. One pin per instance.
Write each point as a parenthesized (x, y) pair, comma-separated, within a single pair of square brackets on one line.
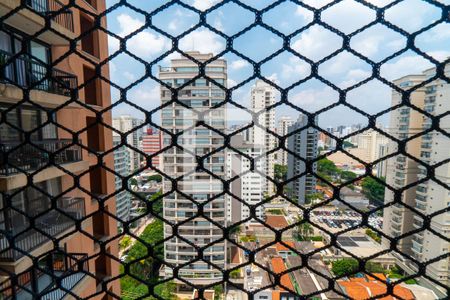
[(316, 42)]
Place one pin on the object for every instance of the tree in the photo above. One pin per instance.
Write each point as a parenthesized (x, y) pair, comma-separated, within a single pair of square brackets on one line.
[(305, 230), (348, 175), (280, 172), (347, 144), (345, 267), (327, 167), (372, 267), (157, 205), (157, 178), (218, 292), (373, 189), (166, 290), (143, 267), (133, 181), (235, 274), (313, 196)]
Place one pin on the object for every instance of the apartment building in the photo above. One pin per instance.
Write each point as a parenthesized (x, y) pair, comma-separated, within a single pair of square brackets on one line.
[(36, 150), (131, 127), (427, 197), (151, 144), (283, 129), (369, 142), (401, 170), (262, 97), (248, 187), (199, 94), (304, 144), (121, 167)]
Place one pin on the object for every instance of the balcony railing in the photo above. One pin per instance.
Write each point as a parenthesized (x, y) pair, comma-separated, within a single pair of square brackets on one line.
[(70, 269), (26, 72), (52, 224), (54, 10), (16, 157)]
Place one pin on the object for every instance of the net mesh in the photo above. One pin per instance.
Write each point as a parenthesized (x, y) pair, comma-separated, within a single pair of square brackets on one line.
[(41, 213)]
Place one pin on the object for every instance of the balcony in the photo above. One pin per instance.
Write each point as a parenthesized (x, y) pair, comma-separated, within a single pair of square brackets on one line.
[(25, 72), (19, 159), (70, 268), (52, 223), (30, 19)]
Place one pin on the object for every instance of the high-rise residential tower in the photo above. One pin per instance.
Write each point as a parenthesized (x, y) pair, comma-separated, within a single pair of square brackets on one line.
[(199, 95), (248, 186), (262, 97), (304, 144), (53, 201), (121, 167), (427, 197), (283, 129), (129, 125)]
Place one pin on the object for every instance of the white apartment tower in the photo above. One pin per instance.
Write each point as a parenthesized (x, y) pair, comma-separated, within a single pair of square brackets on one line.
[(283, 129), (248, 187), (127, 124), (263, 96), (427, 197), (199, 95), (121, 167)]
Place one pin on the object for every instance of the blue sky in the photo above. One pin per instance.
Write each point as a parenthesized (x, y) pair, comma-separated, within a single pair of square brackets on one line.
[(343, 70)]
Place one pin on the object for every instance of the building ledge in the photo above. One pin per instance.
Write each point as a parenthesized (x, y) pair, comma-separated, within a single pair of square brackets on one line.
[(15, 181), (31, 22), (12, 94)]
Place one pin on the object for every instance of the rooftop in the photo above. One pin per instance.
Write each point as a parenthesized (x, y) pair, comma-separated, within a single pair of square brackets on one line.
[(366, 287), (278, 267), (276, 221)]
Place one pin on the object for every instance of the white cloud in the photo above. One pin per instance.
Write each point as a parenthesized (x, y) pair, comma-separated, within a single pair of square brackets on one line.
[(238, 64), (274, 78), (313, 99), (145, 95), (348, 16), (317, 42), (128, 24), (202, 40), (295, 69), (144, 43), (406, 65), (173, 25), (411, 15), (438, 33), (204, 4), (306, 14), (231, 82), (128, 75)]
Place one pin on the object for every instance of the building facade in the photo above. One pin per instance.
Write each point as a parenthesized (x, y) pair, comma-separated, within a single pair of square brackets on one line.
[(56, 188), (283, 129), (200, 95), (304, 144), (262, 97), (248, 186), (152, 143), (131, 126), (121, 167), (427, 197)]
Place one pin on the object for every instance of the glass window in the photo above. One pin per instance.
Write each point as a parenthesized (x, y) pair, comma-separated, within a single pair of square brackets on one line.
[(30, 121), (7, 132)]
